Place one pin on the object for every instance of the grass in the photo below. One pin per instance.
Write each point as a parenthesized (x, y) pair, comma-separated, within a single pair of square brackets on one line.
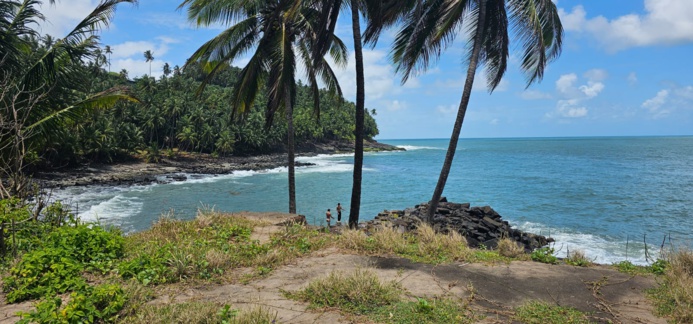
[(200, 312), (673, 297), (536, 312), (209, 246), (358, 293), (424, 245), (424, 311), (363, 294), (509, 248)]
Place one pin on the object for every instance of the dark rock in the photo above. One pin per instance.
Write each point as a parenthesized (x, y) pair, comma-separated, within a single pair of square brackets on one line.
[(479, 225)]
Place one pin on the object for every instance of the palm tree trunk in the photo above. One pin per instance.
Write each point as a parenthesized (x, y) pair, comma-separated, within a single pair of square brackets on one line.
[(291, 153), (462, 110), (359, 116)]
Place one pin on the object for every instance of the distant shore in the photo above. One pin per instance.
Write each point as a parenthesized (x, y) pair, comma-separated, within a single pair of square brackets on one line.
[(167, 170)]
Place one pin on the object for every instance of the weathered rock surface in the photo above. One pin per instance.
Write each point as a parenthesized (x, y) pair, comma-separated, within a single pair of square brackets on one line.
[(479, 225)]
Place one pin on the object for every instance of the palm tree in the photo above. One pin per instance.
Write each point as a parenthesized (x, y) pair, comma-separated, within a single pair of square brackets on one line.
[(109, 52), (149, 57), (43, 86), (380, 14), (433, 24), (167, 69), (278, 32)]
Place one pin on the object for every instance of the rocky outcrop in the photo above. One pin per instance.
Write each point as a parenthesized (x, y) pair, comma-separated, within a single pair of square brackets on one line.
[(479, 225)]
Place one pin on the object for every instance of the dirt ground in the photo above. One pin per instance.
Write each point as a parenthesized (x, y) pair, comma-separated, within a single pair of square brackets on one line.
[(493, 290)]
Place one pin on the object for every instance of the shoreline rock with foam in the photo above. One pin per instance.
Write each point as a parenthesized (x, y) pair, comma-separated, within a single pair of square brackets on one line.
[(174, 169)]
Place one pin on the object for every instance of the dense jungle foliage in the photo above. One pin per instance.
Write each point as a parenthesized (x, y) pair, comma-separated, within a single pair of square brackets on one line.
[(171, 117)]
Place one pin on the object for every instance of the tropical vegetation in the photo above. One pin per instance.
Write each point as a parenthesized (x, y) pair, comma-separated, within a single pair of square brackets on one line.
[(281, 35)]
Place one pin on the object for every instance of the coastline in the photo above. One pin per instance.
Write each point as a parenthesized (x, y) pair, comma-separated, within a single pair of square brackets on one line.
[(174, 169)]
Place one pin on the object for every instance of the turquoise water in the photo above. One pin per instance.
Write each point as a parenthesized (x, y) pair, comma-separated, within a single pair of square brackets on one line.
[(592, 194)]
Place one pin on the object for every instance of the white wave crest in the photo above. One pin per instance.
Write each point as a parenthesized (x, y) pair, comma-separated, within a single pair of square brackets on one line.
[(415, 148), (603, 250)]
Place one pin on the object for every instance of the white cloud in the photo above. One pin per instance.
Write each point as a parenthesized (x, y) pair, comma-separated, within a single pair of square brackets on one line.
[(665, 22), (592, 89), (654, 104), (566, 84), (130, 56), (572, 106), (632, 78), (63, 16), (379, 76)]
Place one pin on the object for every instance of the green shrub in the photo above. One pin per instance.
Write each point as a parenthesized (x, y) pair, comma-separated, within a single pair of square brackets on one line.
[(13, 209), (43, 272), (87, 243), (578, 259), (146, 269), (90, 305), (544, 255)]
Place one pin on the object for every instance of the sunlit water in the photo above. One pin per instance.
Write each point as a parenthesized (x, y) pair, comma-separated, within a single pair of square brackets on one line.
[(592, 194)]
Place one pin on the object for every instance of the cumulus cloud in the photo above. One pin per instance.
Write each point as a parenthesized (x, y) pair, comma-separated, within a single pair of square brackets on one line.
[(130, 56), (654, 105), (665, 22), (447, 111), (574, 95), (395, 105), (632, 78), (379, 75)]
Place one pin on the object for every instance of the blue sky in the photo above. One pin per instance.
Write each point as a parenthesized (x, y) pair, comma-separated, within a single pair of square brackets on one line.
[(625, 71)]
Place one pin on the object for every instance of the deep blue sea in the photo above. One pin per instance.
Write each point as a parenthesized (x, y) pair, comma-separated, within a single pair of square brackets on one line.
[(592, 194)]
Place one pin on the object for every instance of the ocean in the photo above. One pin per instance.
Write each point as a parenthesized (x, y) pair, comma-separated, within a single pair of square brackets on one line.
[(606, 196)]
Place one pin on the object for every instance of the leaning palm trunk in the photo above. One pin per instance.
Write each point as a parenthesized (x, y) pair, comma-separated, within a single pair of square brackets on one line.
[(291, 153), (462, 110), (359, 116)]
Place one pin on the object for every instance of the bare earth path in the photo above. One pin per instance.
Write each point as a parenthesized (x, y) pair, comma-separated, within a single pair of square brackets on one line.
[(493, 290)]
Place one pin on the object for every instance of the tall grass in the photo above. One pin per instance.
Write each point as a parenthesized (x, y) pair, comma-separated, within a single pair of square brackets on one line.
[(674, 296), (424, 245)]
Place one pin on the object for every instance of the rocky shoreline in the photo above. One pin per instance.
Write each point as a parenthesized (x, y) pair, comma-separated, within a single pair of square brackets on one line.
[(175, 169), (481, 226)]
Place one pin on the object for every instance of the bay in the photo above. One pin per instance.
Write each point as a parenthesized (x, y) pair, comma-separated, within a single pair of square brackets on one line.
[(599, 195)]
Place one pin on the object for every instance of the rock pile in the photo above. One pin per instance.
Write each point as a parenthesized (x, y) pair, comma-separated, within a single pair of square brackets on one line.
[(479, 225)]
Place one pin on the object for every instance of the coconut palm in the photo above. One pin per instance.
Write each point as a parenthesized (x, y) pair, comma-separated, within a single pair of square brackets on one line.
[(149, 57), (279, 34), (109, 51), (380, 14), (167, 69), (434, 24), (44, 84)]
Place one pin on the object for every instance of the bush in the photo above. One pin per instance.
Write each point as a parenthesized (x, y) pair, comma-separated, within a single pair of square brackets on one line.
[(674, 296), (89, 305), (43, 272)]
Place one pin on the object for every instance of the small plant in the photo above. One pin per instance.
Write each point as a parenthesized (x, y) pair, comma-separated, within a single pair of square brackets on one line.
[(673, 297), (424, 311), (536, 312), (544, 255), (659, 267), (578, 259)]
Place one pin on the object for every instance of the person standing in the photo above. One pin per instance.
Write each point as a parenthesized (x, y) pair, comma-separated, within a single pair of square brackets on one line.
[(339, 214), (328, 217)]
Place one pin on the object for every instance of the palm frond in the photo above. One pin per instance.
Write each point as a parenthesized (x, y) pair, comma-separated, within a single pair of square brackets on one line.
[(537, 24)]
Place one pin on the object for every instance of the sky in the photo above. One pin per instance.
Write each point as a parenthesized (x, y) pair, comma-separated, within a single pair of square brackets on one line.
[(625, 70)]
